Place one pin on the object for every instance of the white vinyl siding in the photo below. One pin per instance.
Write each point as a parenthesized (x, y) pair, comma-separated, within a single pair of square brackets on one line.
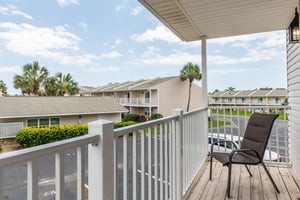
[(293, 81)]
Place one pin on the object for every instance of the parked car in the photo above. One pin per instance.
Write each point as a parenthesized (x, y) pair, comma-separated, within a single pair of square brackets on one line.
[(225, 144)]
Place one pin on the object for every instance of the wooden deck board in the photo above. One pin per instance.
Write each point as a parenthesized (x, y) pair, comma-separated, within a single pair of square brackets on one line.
[(244, 187)]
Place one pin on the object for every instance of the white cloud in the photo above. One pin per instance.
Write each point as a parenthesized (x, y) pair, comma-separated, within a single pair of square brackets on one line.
[(267, 39), (113, 54), (136, 11), (67, 2), (83, 25), (159, 33), (104, 69), (231, 70), (119, 7), (118, 41), (9, 69), (52, 43), (11, 10)]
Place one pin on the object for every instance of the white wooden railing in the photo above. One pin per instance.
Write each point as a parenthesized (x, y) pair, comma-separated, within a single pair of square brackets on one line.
[(153, 160), (30, 158), (137, 101), (157, 159)]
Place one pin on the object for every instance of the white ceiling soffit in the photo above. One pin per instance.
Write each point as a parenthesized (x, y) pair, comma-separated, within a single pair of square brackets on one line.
[(192, 19)]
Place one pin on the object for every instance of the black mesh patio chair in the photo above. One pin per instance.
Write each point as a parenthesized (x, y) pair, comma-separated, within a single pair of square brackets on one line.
[(252, 148)]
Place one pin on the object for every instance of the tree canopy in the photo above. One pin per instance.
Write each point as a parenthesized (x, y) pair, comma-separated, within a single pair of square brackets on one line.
[(3, 88), (190, 72), (35, 81)]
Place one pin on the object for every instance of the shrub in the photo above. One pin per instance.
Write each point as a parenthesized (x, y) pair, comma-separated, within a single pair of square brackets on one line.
[(132, 117), (124, 123), (29, 137), (156, 116)]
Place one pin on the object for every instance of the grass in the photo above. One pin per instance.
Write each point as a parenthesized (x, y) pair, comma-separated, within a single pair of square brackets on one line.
[(216, 123), (242, 113)]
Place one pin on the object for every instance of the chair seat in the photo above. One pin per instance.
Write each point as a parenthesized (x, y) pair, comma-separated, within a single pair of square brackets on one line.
[(238, 158)]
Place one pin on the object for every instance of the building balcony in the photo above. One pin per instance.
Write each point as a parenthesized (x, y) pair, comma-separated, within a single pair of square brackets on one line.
[(158, 159), (140, 102)]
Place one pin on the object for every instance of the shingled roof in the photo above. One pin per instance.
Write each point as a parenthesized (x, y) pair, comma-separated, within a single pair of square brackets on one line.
[(12, 107)]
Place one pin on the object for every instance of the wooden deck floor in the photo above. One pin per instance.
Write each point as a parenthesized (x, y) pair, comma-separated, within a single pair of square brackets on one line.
[(244, 187)]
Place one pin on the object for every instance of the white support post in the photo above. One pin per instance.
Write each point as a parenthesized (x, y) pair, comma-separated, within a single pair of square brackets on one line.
[(204, 72), (204, 84), (101, 161), (179, 152)]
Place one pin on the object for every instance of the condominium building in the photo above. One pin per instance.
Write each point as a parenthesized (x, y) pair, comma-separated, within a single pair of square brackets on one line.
[(249, 97)]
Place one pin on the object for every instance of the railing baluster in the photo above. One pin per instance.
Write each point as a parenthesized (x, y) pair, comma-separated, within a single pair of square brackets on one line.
[(167, 161), (115, 153), (161, 159), (80, 172), (125, 167), (149, 163), (155, 164), (59, 176), (1, 182), (134, 167), (32, 180), (143, 164)]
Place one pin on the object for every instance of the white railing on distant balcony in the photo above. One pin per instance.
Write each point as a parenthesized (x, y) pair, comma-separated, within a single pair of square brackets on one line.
[(137, 101), (231, 121), (8, 130)]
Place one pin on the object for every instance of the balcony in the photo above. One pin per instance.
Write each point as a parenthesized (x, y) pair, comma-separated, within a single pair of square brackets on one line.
[(140, 102), (159, 159)]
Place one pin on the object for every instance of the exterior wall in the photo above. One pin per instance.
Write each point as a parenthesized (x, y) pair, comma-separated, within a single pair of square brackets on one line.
[(174, 94), (293, 82), (70, 120)]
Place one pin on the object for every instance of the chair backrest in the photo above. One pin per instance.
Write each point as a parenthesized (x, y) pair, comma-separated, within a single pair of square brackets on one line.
[(258, 132)]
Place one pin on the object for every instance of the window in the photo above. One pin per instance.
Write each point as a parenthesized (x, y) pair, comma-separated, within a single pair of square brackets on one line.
[(216, 100), (55, 122), (43, 122), (260, 99), (243, 100), (146, 112), (147, 97), (229, 100), (277, 100), (32, 122)]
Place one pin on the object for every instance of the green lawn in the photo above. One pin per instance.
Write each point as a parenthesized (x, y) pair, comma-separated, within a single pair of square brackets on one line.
[(241, 113)]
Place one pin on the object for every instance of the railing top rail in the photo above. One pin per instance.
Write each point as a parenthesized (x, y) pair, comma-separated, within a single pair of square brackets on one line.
[(251, 107), (128, 129), (195, 111), (32, 153)]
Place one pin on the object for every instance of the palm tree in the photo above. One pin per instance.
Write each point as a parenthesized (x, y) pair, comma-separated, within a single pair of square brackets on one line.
[(190, 72), (32, 78), (3, 88), (50, 86), (66, 84)]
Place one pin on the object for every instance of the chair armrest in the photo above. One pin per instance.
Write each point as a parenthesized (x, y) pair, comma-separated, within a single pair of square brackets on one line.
[(242, 150), (216, 143)]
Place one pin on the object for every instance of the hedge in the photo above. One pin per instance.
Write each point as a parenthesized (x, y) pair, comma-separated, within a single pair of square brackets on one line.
[(124, 123), (132, 117), (29, 137)]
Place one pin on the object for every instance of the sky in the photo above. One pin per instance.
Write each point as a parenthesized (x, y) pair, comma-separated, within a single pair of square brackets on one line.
[(101, 42)]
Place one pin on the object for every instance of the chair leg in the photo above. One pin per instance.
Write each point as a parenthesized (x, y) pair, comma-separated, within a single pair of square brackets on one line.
[(229, 180), (269, 175), (210, 169), (248, 170)]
